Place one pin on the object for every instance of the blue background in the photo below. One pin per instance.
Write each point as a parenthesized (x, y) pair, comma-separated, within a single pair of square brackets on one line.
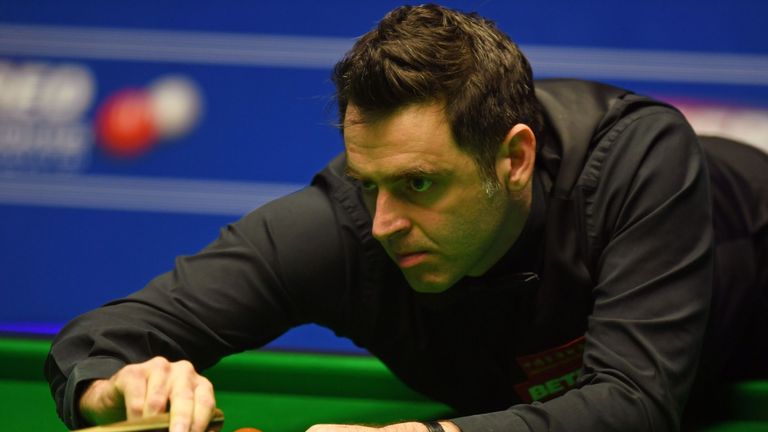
[(273, 124)]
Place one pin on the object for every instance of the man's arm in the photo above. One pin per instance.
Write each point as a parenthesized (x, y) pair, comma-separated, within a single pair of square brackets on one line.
[(277, 267)]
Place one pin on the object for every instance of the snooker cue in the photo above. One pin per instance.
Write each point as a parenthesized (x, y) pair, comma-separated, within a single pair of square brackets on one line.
[(157, 423)]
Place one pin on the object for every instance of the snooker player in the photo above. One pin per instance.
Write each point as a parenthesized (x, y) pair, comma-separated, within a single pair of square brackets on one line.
[(559, 258)]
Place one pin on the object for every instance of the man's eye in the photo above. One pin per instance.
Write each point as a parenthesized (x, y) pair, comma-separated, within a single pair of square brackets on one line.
[(368, 185), (419, 184)]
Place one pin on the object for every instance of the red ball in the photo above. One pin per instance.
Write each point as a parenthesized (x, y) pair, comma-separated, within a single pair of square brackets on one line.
[(125, 123), (247, 429)]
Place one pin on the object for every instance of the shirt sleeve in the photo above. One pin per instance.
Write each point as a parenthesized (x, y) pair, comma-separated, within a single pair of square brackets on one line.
[(278, 267), (648, 216)]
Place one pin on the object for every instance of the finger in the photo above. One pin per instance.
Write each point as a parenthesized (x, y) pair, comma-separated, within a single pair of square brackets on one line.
[(205, 403), (131, 381), (182, 408), (156, 399), (182, 396)]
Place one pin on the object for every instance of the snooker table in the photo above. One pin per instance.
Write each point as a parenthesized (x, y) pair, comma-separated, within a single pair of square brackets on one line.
[(288, 392)]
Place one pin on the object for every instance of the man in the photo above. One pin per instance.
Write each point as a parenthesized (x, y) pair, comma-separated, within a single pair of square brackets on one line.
[(481, 239)]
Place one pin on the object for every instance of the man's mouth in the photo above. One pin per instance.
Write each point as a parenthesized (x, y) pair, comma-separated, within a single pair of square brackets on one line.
[(411, 259)]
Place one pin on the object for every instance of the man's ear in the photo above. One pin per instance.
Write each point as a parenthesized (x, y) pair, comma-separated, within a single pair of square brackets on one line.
[(517, 157)]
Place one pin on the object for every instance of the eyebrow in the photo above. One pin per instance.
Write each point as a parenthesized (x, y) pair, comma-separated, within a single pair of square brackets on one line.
[(411, 172)]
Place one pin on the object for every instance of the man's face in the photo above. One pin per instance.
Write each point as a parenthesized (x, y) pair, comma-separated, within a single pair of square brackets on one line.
[(430, 210)]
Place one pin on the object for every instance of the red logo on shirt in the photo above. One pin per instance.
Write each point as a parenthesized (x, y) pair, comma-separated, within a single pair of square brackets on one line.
[(552, 372)]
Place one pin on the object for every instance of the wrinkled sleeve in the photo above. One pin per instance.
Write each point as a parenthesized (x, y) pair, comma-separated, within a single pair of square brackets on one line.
[(648, 214), (276, 268)]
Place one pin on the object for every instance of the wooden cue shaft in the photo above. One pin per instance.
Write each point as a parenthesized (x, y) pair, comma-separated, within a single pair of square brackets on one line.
[(159, 422)]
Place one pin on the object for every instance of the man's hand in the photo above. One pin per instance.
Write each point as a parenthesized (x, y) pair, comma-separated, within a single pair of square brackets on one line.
[(146, 389), (399, 427)]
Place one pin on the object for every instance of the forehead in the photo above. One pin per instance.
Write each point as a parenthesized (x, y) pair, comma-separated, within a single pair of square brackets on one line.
[(414, 138)]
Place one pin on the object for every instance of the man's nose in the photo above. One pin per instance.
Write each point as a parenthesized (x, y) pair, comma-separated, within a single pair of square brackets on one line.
[(389, 217)]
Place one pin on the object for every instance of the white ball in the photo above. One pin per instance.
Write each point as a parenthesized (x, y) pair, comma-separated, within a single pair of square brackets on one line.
[(176, 105)]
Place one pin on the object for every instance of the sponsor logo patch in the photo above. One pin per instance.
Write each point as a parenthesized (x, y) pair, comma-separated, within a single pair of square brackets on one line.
[(550, 373)]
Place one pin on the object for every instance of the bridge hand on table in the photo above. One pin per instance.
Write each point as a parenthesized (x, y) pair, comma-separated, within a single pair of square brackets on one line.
[(148, 388)]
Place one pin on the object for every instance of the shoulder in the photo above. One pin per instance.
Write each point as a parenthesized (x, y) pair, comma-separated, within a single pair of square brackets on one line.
[(589, 122), (329, 213), (647, 159), (346, 197), (633, 130)]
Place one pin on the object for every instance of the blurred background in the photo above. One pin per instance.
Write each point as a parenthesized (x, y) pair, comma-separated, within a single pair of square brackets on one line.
[(130, 132)]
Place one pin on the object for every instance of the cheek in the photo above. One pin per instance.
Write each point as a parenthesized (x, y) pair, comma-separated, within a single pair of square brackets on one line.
[(474, 227), (458, 232)]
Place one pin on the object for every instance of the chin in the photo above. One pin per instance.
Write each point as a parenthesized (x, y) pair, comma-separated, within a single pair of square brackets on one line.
[(429, 285)]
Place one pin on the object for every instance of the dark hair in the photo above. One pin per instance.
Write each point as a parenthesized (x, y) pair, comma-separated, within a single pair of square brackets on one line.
[(430, 53)]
